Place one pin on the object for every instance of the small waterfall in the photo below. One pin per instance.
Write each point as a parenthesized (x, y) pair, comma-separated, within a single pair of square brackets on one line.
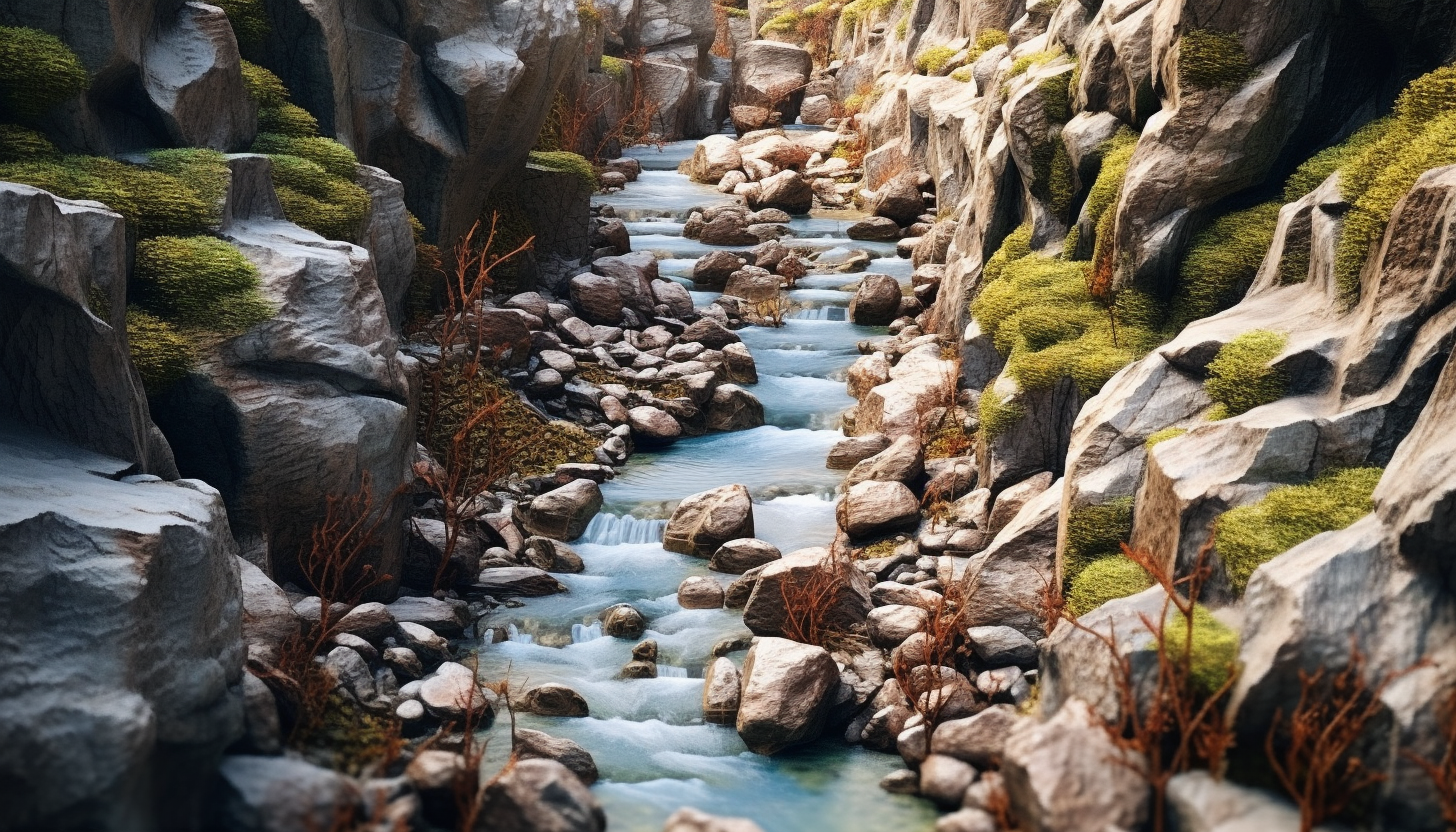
[(582, 633), (822, 313), (614, 530), (667, 671), (514, 634)]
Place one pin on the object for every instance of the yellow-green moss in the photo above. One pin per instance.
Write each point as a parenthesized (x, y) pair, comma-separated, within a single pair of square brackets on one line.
[(1105, 579), (330, 206), (336, 160), (1317, 168), (587, 13), (934, 59), (878, 549), (201, 282), (1102, 197), (20, 144), (1249, 536), (1163, 436), (858, 10), (986, 40), (1240, 377), (1016, 246), (263, 86), (783, 24), (1421, 136), (153, 202), (963, 74), (1214, 649), (902, 28), (1209, 59), (37, 72), (996, 415), (568, 162), (161, 354), (204, 171), (249, 20), (1026, 62), (618, 69), (1221, 262), (1095, 532)]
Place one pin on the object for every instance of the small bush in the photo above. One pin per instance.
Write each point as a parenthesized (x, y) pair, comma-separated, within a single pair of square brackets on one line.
[(249, 20), (161, 354), (153, 202), (1210, 60), (1240, 378), (567, 162), (1093, 533), (18, 144), (1163, 436), (1214, 649), (1222, 261), (201, 282), (933, 60), (986, 40), (1105, 579), (37, 72), (1249, 536)]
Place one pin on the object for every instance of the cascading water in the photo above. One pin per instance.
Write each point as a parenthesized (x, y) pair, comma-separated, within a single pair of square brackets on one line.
[(648, 737)]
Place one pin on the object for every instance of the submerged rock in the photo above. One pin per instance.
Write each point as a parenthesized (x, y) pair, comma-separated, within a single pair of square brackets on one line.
[(554, 700), (688, 819)]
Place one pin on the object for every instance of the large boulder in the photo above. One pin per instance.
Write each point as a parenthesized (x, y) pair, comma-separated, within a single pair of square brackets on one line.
[(704, 522), (799, 572), (877, 301), (738, 556), (540, 745), (279, 794), (714, 268), (786, 694), (734, 408), (903, 461), (562, 513), (713, 157), (123, 637), (871, 508), (537, 795), (771, 75), (1010, 574), (900, 200), (597, 298), (787, 191)]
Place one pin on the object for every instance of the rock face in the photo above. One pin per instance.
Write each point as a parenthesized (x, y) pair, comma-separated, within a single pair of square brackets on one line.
[(772, 76), (704, 522), (786, 687), (123, 635), (279, 443)]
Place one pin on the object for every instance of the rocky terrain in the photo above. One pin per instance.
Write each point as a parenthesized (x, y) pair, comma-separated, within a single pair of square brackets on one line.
[(1033, 408)]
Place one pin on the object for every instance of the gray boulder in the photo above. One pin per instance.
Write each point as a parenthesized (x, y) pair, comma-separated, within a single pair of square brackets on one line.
[(562, 513), (538, 795), (704, 522), (772, 76), (786, 694), (764, 613), (540, 745), (871, 508), (903, 462), (279, 794), (738, 556), (876, 302)]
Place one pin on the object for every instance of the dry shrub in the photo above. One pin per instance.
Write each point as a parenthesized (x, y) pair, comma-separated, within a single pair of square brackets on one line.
[(1443, 771), (810, 602), (589, 123), (1179, 723), (769, 311), (1311, 751), (945, 643)]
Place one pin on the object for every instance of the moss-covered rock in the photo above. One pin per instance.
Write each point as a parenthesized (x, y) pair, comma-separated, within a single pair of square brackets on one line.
[(567, 162), (1212, 653), (933, 59), (1250, 536), (329, 205), (37, 72), (152, 202), (249, 20), (162, 355), (19, 144), (1240, 377), (336, 160), (1209, 59), (204, 171), (1102, 197), (1222, 261), (1105, 579), (1162, 436), (618, 69), (201, 282), (1094, 533), (997, 416)]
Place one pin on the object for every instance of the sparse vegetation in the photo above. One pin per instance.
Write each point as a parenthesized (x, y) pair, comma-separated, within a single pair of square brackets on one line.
[(1163, 436), (1021, 65), (37, 72), (1208, 60), (997, 416), (567, 162), (1095, 533), (1247, 537), (1240, 377)]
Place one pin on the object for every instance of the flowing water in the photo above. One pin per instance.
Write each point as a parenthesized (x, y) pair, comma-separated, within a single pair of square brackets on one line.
[(648, 737)]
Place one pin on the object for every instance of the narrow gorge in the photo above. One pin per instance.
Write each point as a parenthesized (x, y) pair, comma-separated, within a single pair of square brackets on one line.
[(728, 415)]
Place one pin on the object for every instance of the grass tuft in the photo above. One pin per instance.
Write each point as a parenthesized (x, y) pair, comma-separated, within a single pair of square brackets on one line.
[(1240, 378)]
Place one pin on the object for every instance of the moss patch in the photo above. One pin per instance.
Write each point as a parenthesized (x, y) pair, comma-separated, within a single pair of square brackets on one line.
[(201, 282), (933, 60), (1240, 378), (249, 20), (327, 205), (1102, 197), (1222, 261), (1105, 579), (204, 171), (1163, 436), (618, 69), (1214, 649), (153, 202), (996, 415), (1020, 66), (1094, 533), (162, 355), (1250, 536), (567, 162), (1209, 59), (37, 72), (19, 144)]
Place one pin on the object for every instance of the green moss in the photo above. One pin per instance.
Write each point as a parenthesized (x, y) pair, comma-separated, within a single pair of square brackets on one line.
[(249, 20), (1249, 536), (1102, 197), (986, 40), (161, 354), (902, 28), (1222, 261), (878, 549), (1420, 136), (1016, 246), (287, 120), (963, 74), (201, 282), (741, 14), (19, 144), (1163, 436), (1240, 378), (783, 24), (996, 415), (349, 738), (1322, 165), (931, 61), (263, 86), (1209, 59), (618, 69), (153, 202), (1105, 579), (37, 72), (332, 207), (568, 162), (588, 13), (1212, 653), (204, 171), (1020, 66), (1095, 532), (859, 10), (336, 160)]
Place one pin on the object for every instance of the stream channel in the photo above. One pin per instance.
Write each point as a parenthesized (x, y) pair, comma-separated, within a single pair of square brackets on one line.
[(654, 751)]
